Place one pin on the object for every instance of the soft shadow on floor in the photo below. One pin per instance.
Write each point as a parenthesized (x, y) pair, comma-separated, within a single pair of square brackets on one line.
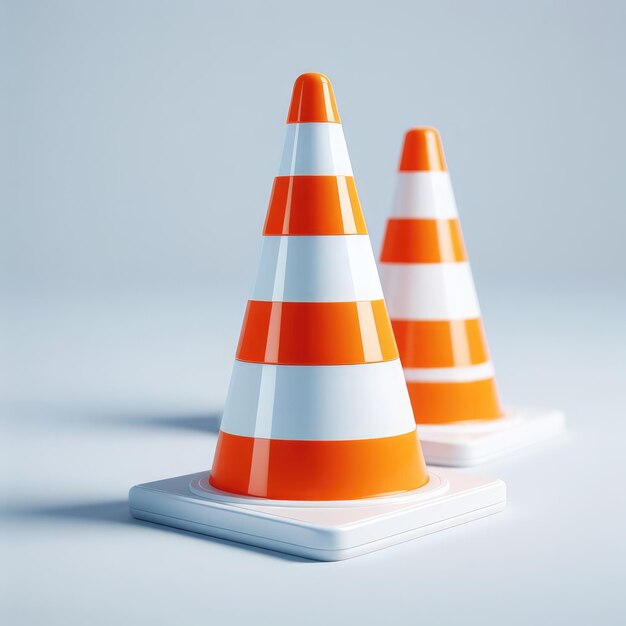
[(202, 422), (116, 512)]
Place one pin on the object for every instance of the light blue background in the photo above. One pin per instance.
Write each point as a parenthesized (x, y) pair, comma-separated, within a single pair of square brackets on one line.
[(143, 137), (138, 144)]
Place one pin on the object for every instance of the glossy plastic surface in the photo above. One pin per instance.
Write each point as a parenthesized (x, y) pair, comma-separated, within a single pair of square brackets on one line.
[(422, 151), (324, 530), (441, 343), (317, 269), (316, 333), (312, 100), (317, 470), (314, 205), (425, 195), (316, 149), (430, 293), (445, 402), (317, 408), (423, 241), (469, 443), (457, 373), (318, 403)]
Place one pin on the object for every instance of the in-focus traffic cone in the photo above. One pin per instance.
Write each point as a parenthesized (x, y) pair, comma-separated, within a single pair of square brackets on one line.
[(317, 438), (317, 408), (436, 318)]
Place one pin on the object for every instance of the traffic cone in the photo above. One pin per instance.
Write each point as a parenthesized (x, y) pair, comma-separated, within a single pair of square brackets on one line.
[(433, 304), (430, 291), (317, 390), (317, 438)]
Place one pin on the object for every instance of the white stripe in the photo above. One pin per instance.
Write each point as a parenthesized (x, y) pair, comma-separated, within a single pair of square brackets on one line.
[(329, 268), (429, 291), (424, 195), (450, 374), (315, 149), (318, 403)]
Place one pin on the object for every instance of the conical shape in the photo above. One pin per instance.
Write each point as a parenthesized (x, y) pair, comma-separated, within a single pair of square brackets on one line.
[(317, 407), (430, 292)]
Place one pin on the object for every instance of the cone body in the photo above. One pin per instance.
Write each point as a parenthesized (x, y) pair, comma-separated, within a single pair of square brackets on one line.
[(430, 292), (317, 407)]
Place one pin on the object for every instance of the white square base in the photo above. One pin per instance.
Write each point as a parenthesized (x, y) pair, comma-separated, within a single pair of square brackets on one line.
[(464, 444), (324, 531)]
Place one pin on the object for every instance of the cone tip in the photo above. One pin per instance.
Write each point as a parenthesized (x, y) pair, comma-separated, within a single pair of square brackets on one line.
[(312, 100), (422, 151)]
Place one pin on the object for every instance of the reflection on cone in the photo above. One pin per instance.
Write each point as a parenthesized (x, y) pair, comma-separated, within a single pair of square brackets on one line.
[(430, 292), (317, 407)]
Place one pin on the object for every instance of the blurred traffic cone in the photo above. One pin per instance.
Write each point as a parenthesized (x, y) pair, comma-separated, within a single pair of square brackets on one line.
[(430, 293), (318, 440), (432, 301)]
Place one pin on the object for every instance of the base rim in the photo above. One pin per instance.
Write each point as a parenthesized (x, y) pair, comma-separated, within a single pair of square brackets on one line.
[(435, 487)]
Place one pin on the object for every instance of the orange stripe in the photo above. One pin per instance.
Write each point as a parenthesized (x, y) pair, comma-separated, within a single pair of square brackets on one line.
[(442, 403), (422, 151), (316, 333), (318, 470), (423, 241), (312, 100), (314, 205), (451, 343)]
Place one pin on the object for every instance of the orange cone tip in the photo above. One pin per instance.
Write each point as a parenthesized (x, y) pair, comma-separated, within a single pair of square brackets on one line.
[(422, 151), (312, 100)]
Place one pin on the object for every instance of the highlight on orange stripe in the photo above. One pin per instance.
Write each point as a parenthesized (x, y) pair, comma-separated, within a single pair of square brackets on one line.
[(422, 151), (435, 403), (312, 100), (453, 343), (316, 333), (423, 241), (317, 470), (314, 205)]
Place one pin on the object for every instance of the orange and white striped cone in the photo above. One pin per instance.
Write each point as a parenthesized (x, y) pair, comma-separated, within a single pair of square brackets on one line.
[(318, 437), (430, 292), (317, 389), (436, 317)]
